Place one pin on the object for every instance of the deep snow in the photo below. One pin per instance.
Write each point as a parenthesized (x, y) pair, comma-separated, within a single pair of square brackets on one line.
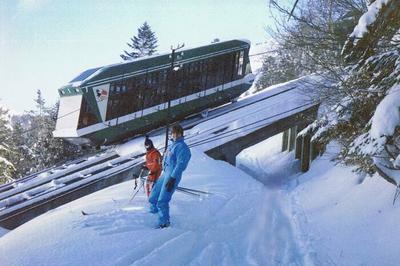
[(220, 229), (339, 217), (327, 216)]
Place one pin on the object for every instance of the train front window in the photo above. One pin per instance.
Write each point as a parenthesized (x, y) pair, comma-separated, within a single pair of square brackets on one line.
[(86, 116), (240, 67)]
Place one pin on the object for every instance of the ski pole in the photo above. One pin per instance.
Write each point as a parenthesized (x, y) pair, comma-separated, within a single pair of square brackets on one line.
[(141, 184), (140, 174)]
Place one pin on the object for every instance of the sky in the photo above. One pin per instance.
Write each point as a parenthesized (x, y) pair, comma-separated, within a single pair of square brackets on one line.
[(46, 43)]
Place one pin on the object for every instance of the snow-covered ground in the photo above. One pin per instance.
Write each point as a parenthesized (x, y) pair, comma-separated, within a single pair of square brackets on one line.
[(223, 228), (339, 218), (327, 216)]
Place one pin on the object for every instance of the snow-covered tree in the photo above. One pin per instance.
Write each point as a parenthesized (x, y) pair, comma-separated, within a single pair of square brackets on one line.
[(6, 166), (366, 116), (22, 156), (145, 43), (35, 147), (311, 40)]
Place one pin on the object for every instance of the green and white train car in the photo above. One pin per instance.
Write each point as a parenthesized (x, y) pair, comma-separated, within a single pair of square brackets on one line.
[(111, 103)]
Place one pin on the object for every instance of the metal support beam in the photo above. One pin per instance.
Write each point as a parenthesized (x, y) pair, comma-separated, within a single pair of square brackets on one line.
[(297, 150), (292, 137), (285, 140)]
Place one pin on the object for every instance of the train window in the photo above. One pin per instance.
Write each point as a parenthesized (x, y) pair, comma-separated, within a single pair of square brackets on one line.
[(86, 116), (248, 68), (228, 68), (211, 72), (240, 67), (204, 75)]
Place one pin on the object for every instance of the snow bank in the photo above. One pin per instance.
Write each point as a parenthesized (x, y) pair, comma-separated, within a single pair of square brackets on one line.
[(339, 218), (347, 220)]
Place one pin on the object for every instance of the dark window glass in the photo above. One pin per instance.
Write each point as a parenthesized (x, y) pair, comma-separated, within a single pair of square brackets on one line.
[(87, 116)]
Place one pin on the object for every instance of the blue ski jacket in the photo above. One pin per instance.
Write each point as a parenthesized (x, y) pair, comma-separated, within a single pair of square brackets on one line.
[(176, 159)]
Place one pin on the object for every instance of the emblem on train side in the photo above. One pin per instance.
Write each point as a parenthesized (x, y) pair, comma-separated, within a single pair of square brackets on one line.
[(101, 94)]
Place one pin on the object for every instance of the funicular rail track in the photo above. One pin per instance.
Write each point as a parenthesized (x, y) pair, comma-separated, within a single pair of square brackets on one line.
[(51, 174), (33, 201), (18, 182)]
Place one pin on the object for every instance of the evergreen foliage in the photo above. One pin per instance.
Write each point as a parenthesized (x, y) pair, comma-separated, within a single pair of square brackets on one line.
[(6, 150), (145, 43), (33, 142), (358, 49), (311, 41), (373, 75)]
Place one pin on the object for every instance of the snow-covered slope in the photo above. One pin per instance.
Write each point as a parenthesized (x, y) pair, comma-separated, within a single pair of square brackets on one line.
[(341, 218), (348, 220), (327, 216), (225, 228)]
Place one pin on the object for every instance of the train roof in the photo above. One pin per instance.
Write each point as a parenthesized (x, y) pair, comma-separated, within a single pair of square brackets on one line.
[(137, 66)]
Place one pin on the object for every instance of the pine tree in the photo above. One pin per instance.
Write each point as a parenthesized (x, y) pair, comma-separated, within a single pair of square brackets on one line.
[(145, 43), (44, 150), (6, 166), (21, 158)]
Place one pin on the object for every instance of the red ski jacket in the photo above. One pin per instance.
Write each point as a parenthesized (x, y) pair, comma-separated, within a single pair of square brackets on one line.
[(153, 163)]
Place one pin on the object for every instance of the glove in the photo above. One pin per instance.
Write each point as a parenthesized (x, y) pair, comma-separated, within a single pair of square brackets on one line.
[(170, 184)]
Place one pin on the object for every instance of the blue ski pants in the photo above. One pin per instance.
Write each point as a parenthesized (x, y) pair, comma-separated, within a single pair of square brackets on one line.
[(159, 198)]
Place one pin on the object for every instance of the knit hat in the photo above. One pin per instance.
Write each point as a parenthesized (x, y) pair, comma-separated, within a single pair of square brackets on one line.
[(148, 142)]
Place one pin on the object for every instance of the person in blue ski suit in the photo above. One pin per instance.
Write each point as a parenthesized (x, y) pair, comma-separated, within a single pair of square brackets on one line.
[(175, 162)]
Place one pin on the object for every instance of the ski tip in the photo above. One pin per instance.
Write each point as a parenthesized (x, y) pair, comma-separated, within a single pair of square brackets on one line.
[(84, 213)]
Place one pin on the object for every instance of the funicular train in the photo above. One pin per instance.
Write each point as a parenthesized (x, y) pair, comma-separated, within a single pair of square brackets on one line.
[(111, 103)]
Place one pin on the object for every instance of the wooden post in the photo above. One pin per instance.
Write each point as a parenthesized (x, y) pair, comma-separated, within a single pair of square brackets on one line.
[(285, 140), (297, 150), (305, 153), (314, 150), (292, 137)]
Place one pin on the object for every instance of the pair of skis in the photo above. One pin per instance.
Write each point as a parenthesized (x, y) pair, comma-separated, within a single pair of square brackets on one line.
[(193, 192), (187, 191)]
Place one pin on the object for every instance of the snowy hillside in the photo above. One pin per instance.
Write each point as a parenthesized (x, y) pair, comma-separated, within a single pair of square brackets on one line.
[(323, 217), (122, 233), (339, 217)]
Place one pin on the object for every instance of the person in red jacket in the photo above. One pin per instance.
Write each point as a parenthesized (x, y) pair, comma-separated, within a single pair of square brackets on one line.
[(153, 164)]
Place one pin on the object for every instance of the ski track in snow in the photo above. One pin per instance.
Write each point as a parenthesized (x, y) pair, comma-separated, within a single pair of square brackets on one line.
[(271, 241)]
